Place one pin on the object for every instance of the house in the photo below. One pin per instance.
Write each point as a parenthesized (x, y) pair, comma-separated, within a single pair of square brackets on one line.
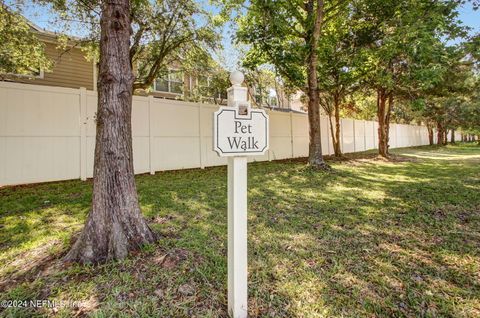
[(70, 66), (72, 69)]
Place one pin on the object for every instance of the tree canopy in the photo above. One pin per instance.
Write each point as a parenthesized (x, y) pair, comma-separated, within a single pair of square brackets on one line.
[(21, 52)]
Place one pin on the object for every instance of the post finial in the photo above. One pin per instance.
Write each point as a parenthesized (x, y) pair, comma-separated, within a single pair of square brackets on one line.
[(236, 78)]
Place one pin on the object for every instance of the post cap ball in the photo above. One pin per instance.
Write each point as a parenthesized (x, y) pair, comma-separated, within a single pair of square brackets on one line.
[(236, 78)]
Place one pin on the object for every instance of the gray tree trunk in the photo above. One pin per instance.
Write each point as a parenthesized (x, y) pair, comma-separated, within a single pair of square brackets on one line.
[(115, 225), (383, 115), (315, 157), (430, 135)]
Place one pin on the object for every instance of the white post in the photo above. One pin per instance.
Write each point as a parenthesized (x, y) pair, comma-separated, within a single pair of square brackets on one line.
[(292, 139), (200, 135), (354, 137), (364, 135), (237, 236), (329, 134), (237, 217), (83, 133), (150, 135)]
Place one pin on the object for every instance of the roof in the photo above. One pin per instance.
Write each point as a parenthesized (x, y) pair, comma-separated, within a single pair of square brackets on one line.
[(47, 33), (284, 110)]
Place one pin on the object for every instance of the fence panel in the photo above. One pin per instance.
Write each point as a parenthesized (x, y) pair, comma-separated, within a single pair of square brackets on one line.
[(39, 134), (280, 135), (360, 130), (48, 134), (370, 135), (347, 133), (300, 135)]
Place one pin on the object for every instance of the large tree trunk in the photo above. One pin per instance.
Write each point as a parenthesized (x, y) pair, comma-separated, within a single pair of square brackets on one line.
[(115, 225), (315, 157), (383, 114), (452, 137), (430, 135)]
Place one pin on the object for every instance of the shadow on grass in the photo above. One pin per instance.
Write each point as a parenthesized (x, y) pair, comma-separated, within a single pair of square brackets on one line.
[(370, 239)]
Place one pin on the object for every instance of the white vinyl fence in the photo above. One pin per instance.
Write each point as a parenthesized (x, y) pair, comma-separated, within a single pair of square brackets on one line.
[(48, 134)]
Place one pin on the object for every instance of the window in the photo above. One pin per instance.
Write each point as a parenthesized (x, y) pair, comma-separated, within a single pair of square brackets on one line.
[(171, 82), (34, 74), (204, 83), (265, 96)]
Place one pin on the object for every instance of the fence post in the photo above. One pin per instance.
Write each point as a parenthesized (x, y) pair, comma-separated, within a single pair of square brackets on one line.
[(354, 137), (150, 135), (341, 135), (328, 134), (396, 135), (200, 136), (291, 135), (364, 135), (83, 133), (269, 138)]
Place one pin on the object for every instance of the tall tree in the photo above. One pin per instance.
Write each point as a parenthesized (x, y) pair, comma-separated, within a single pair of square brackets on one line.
[(286, 34), (398, 37), (136, 42), (115, 224), (440, 102), (337, 72)]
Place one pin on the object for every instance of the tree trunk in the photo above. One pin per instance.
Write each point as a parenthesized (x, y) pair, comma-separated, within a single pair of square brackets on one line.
[(115, 225), (383, 114), (336, 131), (387, 120), (452, 137), (315, 157), (440, 134), (430, 135), (338, 146)]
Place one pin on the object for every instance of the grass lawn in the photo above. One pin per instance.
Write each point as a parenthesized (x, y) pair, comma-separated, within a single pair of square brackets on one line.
[(370, 239)]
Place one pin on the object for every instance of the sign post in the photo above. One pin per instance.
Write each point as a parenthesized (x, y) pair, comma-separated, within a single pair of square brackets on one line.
[(239, 131)]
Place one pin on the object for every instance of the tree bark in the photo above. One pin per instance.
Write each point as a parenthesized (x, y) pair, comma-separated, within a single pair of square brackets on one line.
[(387, 119), (452, 137), (383, 114), (335, 132), (440, 134), (315, 157), (430, 135), (115, 225)]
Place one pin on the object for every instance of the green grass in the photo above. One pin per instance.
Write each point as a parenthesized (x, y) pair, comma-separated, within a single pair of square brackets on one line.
[(370, 239)]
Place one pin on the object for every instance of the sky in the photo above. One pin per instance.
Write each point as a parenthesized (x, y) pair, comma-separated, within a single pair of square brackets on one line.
[(230, 56)]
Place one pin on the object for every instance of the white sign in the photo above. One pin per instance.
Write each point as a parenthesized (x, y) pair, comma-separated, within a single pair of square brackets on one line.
[(240, 131)]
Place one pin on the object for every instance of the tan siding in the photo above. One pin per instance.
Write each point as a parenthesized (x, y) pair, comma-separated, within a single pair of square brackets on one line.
[(71, 69)]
